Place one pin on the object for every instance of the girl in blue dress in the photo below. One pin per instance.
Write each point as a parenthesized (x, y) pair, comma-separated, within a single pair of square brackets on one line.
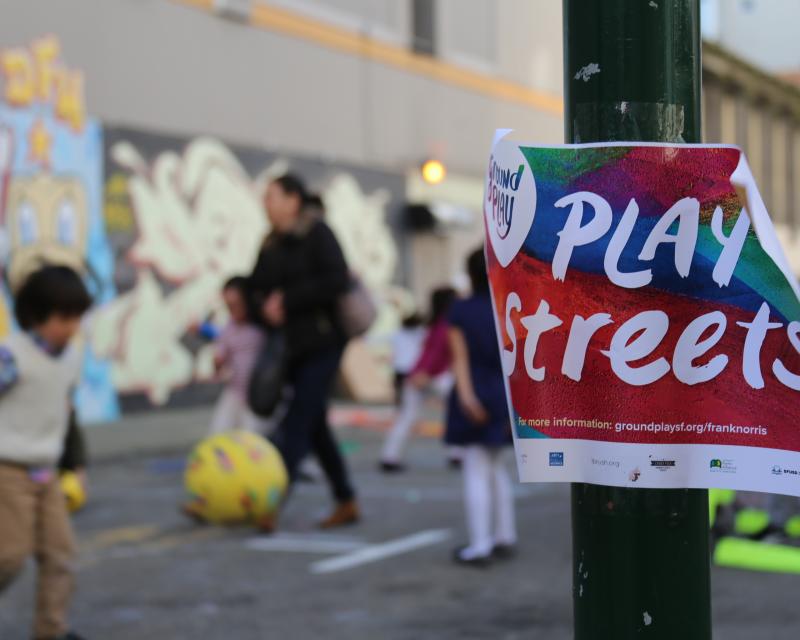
[(478, 420)]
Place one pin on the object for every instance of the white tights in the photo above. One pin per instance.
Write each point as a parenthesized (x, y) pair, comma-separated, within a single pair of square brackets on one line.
[(489, 501), (412, 401)]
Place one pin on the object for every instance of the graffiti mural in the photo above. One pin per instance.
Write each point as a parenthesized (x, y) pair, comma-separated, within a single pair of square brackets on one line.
[(156, 224), (183, 216), (51, 156), (192, 221)]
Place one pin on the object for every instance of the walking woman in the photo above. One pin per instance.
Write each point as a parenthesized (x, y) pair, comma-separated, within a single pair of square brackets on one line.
[(299, 277)]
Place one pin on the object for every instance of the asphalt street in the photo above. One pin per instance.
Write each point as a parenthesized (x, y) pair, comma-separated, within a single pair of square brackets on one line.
[(145, 572)]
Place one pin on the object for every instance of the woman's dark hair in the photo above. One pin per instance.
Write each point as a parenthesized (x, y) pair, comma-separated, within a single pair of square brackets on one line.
[(292, 184), (314, 200), (441, 301), (238, 283), (52, 290), (476, 268)]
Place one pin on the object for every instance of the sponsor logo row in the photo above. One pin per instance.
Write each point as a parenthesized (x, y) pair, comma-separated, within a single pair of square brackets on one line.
[(663, 465)]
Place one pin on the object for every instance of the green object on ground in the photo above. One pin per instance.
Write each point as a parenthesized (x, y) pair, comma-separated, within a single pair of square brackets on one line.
[(750, 521), (718, 498), (747, 521), (349, 447), (756, 556), (793, 527)]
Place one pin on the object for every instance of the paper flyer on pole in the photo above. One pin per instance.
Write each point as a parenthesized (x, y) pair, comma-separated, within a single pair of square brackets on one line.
[(648, 321)]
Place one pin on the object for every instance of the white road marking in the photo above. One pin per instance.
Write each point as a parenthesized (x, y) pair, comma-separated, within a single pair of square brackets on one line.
[(303, 544), (375, 552)]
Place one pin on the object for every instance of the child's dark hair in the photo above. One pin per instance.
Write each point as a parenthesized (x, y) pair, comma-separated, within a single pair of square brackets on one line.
[(476, 269), (293, 185), (237, 283), (441, 301), (52, 290), (412, 321)]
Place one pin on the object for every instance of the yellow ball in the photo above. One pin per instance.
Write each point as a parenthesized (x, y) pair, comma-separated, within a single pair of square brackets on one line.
[(73, 490), (235, 477)]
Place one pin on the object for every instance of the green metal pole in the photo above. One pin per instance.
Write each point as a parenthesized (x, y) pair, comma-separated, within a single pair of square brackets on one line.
[(641, 556)]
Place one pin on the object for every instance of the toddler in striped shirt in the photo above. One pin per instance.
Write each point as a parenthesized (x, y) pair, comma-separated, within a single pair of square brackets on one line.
[(236, 350)]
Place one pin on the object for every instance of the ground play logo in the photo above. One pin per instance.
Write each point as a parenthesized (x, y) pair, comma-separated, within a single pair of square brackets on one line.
[(556, 458), (504, 185), (510, 201)]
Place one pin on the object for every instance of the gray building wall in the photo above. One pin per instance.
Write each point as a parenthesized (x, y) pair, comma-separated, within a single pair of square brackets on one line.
[(165, 66), (761, 114)]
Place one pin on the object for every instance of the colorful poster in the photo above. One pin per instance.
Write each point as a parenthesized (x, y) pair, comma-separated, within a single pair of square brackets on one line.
[(648, 322)]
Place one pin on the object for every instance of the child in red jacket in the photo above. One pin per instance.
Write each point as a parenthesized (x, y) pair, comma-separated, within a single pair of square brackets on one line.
[(431, 373)]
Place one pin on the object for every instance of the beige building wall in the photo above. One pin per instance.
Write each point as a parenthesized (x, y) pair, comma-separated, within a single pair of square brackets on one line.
[(763, 32), (754, 145), (780, 129), (727, 117), (760, 113), (795, 181)]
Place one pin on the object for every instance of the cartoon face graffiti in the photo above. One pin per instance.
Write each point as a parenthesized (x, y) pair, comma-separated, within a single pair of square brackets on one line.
[(46, 222)]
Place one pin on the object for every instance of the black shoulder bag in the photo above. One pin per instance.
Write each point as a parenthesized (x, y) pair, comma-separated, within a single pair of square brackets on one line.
[(265, 390)]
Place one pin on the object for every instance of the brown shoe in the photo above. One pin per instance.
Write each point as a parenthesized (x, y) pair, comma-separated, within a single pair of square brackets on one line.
[(345, 513), (192, 511), (267, 524)]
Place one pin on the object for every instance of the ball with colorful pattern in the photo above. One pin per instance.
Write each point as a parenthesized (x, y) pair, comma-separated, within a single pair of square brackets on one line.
[(234, 478)]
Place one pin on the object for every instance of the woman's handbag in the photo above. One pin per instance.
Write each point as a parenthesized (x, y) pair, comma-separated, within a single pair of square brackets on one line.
[(265, 390), (356, 309)]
